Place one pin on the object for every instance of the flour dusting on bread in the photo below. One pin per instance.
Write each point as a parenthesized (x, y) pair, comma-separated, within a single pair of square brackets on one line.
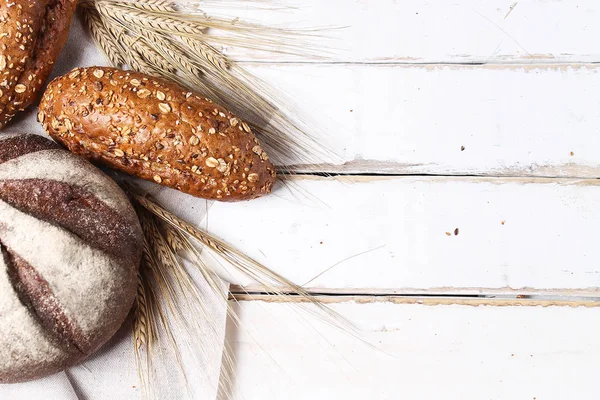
[(71, 246)]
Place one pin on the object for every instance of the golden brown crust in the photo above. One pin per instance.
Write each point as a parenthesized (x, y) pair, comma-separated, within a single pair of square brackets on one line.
[(158, 131), (32, 34)]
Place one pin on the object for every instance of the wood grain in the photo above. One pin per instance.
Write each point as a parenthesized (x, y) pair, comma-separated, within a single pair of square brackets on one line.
[(422, 234), (438, 31), (513, 120), (445, 351), (401, 93)]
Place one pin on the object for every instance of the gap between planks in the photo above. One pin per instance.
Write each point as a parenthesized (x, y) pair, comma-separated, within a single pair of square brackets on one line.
[(430, 300), (582, 293), (538, 64), (589, 297), (376, 168), (495, 179)]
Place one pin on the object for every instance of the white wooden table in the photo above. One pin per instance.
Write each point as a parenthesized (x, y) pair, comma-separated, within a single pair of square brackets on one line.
[(462, 229)]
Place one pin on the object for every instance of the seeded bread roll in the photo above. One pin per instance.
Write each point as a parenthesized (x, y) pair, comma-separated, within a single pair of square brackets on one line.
[(158, 131), (70, 247), (32, 34)]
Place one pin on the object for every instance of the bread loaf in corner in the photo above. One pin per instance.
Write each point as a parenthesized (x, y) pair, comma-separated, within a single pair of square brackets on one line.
[(32, 35), (70, 247)]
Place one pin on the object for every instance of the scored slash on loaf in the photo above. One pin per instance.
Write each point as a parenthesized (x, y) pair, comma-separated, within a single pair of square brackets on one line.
[(71, 245), (158, 131)]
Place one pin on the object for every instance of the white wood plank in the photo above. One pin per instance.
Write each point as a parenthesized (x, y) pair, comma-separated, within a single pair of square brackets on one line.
[(547, 241), (511, 120), (440, 31), (448, 352)]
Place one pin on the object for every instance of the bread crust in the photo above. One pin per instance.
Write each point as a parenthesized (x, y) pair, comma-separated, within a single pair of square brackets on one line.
[(70, 248), (32, 35), (158, 131)]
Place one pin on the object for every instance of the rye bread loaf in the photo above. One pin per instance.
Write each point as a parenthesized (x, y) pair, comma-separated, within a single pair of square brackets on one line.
[(70, 246), (158, 131), (32, 34)]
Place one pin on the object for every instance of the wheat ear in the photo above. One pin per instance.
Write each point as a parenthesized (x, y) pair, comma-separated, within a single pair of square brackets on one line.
[(176, 42), (272, 282), (110, 48), (170, 313)]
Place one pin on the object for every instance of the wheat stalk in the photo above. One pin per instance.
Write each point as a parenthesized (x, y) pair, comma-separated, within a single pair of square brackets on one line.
[(154, 338), (181, 243), (272, 282), (156, 22), (167, 296), (154, 5), (166, 292), (165, 39), (143, 321), (209, 53), (110, 48)]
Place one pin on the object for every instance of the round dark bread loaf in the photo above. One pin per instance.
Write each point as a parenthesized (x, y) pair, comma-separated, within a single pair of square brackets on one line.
[(71, 245)]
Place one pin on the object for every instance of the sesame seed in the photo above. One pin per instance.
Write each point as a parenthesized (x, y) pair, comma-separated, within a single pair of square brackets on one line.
[(157, 179), (160, 95), (20, 88), (119, 153)]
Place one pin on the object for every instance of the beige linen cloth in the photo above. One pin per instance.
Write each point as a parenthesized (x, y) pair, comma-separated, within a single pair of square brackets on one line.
[(111, 373)]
